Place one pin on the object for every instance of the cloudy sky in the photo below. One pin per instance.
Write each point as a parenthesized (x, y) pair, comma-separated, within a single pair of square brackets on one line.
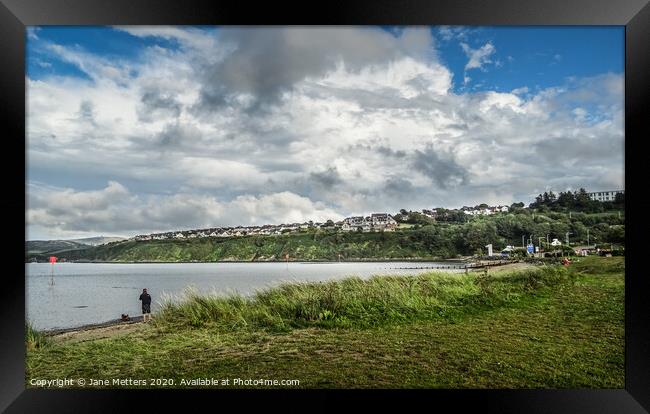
[(140, 129)]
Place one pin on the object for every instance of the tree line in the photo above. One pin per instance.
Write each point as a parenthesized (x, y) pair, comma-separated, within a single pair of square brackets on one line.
[(576, 201)]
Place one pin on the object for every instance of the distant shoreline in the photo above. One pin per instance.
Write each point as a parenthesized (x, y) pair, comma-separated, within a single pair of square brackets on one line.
[(111, 326), (457, 260)]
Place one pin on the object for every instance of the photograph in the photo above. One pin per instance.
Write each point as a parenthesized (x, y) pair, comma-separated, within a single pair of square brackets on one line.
[(325, 207)]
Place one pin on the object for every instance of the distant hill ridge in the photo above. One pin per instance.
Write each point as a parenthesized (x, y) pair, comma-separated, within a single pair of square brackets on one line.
[(96, 241), (55, 246)]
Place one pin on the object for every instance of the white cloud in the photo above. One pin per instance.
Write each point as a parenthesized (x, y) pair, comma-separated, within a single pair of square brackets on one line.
[(520, 91), (32, 33), (407, 77), (448, 33), (194, 38), (478, 58), (284, 207), (65, 212), (97, 68), (349, 137)]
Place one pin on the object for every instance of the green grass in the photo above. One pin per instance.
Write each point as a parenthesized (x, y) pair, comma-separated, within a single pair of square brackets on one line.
[(33, 338), (359, 303), (550, 328)]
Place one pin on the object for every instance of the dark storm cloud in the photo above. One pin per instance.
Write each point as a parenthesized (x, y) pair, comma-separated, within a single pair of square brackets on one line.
[(443, 171), (155, 103), (383, 98), (178, 135), (87, 112), (374, 146), (268, 61), (267, 136), (398, 186), (368, 100), (389, 152), (326, 179)]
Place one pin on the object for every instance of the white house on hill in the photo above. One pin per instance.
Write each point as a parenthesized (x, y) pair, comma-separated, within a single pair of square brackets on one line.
[(376, 222)]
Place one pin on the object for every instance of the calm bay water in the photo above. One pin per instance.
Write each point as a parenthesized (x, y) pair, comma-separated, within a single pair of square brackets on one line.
[(85, 293)]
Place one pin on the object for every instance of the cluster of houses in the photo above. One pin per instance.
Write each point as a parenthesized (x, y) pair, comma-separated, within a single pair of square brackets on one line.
[(472, 211), (485, 211), (373, 222), (265, 230)]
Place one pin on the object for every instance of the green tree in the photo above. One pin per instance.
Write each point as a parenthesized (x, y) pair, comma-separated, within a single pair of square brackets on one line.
[(479, 233), (619, 198), (566, 199), (582, 199)]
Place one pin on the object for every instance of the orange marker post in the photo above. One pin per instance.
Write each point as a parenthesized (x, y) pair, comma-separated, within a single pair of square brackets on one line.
[(52, 261)]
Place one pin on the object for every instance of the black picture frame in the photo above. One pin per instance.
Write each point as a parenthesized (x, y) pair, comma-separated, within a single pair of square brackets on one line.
[(15, 15)]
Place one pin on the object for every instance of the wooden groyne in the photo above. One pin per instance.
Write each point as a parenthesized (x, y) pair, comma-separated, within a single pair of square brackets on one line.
[(462, 266)]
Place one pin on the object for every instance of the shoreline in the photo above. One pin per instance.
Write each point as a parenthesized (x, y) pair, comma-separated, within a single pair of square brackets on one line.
[(402, 342), (463, 259), (115, 325), (92, 326)]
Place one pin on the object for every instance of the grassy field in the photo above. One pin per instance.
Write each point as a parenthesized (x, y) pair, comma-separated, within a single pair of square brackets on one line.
[(550, 327)]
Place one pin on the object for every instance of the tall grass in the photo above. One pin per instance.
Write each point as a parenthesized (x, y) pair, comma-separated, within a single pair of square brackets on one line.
[(355, 302), (598, 265), (33, 338)]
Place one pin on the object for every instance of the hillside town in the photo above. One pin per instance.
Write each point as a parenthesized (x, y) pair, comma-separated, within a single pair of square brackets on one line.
[(463, 230), (374, 222), (380, 222)]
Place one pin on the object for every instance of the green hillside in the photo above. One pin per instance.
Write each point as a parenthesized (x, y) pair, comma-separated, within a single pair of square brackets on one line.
[(306, 246), (45, 247), (431, 241)]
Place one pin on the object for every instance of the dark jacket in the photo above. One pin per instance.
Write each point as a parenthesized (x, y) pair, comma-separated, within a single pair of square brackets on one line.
[(145, 298)]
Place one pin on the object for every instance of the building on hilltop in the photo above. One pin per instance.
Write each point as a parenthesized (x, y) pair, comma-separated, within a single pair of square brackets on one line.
[(352, 223), (430, 213), (382, 221), (605, 195), (375, 222), (484, 211)]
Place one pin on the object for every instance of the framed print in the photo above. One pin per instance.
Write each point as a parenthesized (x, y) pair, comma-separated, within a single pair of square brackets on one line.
[(380, 201)]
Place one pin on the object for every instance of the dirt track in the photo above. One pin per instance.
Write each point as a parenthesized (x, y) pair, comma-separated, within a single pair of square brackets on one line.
[(92, 332)]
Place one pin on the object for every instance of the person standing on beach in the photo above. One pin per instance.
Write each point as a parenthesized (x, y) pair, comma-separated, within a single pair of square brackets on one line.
[(146, 305)]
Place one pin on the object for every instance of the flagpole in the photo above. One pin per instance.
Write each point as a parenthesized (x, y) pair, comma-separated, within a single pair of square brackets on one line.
[(52, 261)]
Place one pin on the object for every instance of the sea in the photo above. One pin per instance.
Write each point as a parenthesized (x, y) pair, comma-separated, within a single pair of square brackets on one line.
[(67, 295)]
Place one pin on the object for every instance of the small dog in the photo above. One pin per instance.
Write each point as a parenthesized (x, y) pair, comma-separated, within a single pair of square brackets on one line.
[(125, 317)]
